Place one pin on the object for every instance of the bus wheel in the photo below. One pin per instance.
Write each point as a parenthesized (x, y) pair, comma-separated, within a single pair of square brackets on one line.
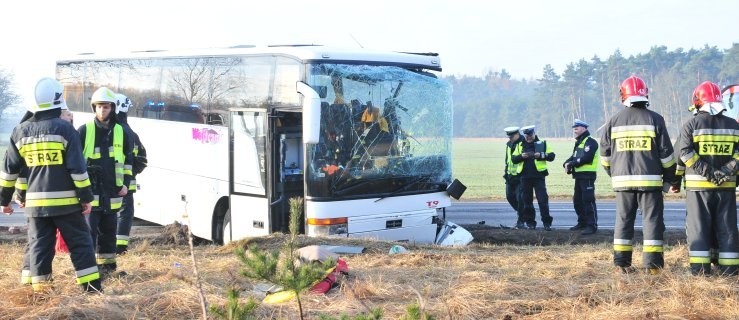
[(221, 228)]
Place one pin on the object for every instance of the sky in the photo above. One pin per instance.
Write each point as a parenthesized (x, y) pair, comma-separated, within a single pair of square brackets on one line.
[(471, 36)]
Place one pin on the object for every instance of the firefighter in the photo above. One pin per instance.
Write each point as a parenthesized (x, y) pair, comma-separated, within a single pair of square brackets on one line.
[(125, 215), (708, 147), (637, 153), (511, 176), (531, 156), (108, 153), (583, 165), (58, 191)]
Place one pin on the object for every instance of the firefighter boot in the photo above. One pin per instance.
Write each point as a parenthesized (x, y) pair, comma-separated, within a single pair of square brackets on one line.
[(121, 249), (92, 286)]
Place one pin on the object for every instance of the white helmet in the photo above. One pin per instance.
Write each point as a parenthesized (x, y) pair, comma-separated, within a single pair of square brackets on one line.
[(49, 95), (103, 94), (123, 103)]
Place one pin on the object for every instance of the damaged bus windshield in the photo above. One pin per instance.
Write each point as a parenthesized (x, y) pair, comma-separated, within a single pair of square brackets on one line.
[(385, 131)]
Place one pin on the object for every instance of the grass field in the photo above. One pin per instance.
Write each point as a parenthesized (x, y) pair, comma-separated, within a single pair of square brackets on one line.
[(479, 164)]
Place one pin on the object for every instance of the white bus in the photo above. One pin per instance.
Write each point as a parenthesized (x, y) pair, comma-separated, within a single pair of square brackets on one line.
[(364, 137)]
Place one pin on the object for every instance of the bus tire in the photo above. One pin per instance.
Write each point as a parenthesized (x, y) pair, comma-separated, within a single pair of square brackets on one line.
[(221, 228)]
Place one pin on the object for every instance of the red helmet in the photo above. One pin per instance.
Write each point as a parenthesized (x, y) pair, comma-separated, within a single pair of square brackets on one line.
[(633, 89), (708, 94)]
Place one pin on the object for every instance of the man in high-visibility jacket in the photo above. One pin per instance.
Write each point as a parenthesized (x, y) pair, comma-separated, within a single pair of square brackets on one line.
[(511, 175), (125, 215), (708, 147), (583, 165), (637, 153), (108, 152), (56, 193), (531, 156)]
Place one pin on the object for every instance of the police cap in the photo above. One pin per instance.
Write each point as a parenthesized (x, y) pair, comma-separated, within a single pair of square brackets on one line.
[(528, 129), (580, 123), (511, 130)]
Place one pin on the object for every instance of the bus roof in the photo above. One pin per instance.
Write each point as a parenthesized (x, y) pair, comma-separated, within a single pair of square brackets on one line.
[(305, 53)]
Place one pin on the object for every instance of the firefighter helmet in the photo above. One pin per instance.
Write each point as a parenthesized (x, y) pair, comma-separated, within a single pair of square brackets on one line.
[(707, 98), (122, 103), (49, 95), (103, 94), (633, 89)]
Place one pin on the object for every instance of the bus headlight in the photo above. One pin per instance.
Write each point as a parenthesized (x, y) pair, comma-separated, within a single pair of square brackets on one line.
[(327, 227)]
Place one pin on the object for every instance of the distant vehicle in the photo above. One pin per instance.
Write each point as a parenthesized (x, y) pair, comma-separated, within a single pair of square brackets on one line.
[(232, 134), (731, 100)]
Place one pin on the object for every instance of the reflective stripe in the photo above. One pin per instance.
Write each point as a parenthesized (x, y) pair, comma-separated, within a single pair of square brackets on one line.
[(690, 159), (88, 278), (652, 249), (25, 276), (716, 132), (50, 194), (105, 258), (7, 183), (132, 186), (715, 138), (128, 169), (653, 242), (728, 262), (700, 260), (80, 177), (667, 161), (698, 181), (728, 255), (121, 242), (8, 176), (633, 131), (593, 165), (116, 203), (38, 146), (83, 183), (95, 201), (41, 278), (636, 181), (622, 241), (622, 247), (51, 202), (122, 237), (605, 161), (21, 184), (41, 139), (86, 271)]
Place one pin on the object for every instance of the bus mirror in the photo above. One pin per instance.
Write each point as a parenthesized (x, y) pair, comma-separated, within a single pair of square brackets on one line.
[(311, 113)]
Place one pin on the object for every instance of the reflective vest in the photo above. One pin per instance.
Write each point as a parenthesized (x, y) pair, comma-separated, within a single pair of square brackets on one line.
[(90, 151), (540, 146), (588, 167), (512, 167)]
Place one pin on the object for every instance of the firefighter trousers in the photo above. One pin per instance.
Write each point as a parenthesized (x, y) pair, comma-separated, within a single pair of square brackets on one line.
[(584, 203), (513, 195), (103, 224), (710, 221), (125, 219), (651, 204), (41, 240), (529, 186)]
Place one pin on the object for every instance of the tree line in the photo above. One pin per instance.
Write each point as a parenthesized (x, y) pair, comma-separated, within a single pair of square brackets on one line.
[(587, 90)]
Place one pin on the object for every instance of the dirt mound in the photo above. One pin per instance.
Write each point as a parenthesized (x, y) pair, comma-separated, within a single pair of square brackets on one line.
[(502, 235)]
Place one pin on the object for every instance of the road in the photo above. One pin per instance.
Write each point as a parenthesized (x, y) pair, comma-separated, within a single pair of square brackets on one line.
[(500, 213)]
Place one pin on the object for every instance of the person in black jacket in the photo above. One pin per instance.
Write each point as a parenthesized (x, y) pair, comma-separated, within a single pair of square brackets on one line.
[(511, 175), (58, 194), (531, 156), (583, 165)]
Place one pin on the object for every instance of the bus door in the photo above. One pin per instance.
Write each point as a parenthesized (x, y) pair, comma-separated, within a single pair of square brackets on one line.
[(249, 203), (287, 166)]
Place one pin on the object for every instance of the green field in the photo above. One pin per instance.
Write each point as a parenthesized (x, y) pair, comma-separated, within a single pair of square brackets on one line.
[(479, 164)]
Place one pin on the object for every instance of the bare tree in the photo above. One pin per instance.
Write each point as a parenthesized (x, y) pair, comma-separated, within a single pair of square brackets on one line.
[(8, 97)]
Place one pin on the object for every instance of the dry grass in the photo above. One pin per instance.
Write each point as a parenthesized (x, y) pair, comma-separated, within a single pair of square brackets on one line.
[(481, 281)]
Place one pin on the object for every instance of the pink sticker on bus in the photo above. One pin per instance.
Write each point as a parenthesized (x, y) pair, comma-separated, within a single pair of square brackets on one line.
[(205, 135)]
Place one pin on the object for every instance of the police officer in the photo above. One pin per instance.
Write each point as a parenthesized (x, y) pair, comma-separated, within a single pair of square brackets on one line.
[(511, 176), (583, 165), (637, 153), (708, 147), (531, 156), (58, 189), (125, 215), (108, 151)]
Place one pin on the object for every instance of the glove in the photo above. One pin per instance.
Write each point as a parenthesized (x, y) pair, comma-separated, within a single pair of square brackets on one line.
[(568, 167), (722, 175), (704, 169)]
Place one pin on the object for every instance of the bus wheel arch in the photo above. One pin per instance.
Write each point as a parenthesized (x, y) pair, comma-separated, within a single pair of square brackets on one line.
[(221, 220)]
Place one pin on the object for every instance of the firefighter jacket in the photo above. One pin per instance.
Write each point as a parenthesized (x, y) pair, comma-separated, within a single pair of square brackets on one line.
[(48, 150), (713, 140), (585, 157), (108, 152), (138, 152), (511, 169), (636, 150), (530, 167)]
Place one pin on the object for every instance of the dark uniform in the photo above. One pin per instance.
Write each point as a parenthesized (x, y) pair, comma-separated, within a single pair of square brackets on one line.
[(533, 173), (108, 151), (125, 215), (708, 149), (637, 153), (48, 148), (583, 165), (512, 177)]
